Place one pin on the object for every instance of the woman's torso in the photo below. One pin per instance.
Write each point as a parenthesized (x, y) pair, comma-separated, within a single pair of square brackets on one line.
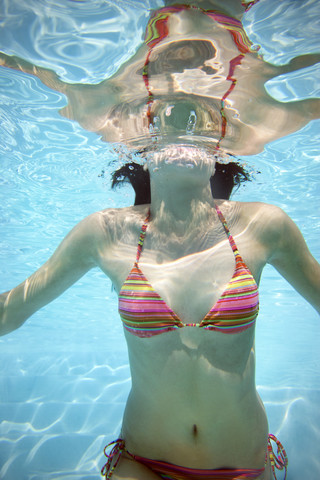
[(193, 400)]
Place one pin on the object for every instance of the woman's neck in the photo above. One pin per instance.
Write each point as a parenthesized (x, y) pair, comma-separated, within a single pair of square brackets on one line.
[(180, 207)]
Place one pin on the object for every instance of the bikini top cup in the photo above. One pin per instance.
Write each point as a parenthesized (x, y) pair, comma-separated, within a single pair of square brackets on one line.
[(144, 313)]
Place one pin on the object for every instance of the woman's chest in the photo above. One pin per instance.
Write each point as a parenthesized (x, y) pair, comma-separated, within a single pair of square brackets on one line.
[(191, 285)]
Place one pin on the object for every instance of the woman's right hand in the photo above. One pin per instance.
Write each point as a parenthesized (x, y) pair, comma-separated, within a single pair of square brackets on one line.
[(76, 254)]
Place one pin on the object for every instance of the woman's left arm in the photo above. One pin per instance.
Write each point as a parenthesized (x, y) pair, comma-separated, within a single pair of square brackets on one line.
[(293, 260)]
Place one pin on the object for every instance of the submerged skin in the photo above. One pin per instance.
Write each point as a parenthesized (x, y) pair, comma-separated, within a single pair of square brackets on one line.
[(188, 72), (193, 400)]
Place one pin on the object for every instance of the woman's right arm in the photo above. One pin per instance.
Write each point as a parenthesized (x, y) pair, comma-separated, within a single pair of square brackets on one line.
[(76, 254)]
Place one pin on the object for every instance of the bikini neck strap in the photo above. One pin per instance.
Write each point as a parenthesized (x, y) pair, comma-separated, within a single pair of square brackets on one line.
[(142, 235), (226, 229)]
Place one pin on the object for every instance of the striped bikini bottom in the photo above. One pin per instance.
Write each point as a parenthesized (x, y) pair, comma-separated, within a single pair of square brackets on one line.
[(169, 471)]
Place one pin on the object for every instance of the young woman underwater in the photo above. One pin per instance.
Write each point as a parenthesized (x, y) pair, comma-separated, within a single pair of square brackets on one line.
[(188, 299), (186, 266)]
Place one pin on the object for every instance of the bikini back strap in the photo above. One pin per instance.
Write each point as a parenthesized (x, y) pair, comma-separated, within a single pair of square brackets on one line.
[(141, 238), (278, 460), (226, 229), (113, 457)]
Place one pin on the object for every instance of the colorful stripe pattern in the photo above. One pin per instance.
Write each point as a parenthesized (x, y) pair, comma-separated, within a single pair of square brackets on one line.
[(169, 471), (144, 313), (157, 28)]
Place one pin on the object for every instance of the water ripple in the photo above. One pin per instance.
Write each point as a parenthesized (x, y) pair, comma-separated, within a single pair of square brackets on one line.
[(82, 40), (294, 86), (274, 26)]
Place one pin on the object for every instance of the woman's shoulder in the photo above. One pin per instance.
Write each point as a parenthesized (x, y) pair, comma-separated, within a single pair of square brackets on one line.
[(259, 212), (266, 220), (116, 221), (105, 227)]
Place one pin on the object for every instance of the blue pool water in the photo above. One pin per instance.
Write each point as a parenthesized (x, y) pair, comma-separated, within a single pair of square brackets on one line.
[(64, 375)]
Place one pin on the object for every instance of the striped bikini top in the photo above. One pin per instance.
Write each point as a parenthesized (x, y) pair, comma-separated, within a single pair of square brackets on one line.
[(144, 313)]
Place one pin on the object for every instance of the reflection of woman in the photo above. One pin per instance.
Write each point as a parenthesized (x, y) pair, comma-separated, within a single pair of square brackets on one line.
[(188, 299), (196, 61)]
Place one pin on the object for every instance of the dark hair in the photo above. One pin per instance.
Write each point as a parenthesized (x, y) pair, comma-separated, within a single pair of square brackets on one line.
[(226, 177)]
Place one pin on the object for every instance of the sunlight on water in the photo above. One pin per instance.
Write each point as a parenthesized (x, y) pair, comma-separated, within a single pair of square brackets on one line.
[(64, 376)]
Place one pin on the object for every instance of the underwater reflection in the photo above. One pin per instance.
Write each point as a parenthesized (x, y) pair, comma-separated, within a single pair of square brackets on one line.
[(196, 78)]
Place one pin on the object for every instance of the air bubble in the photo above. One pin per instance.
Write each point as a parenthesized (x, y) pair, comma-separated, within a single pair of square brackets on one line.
[(156, 124), (192, 120)]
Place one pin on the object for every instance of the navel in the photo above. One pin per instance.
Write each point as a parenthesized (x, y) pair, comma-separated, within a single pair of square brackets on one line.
[(195, 430)]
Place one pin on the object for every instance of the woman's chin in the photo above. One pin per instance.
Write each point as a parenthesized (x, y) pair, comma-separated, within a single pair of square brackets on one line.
[(182, 157)]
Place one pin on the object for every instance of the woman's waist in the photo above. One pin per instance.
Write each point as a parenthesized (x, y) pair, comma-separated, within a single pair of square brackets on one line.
[(194, 386), (230, 434)]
